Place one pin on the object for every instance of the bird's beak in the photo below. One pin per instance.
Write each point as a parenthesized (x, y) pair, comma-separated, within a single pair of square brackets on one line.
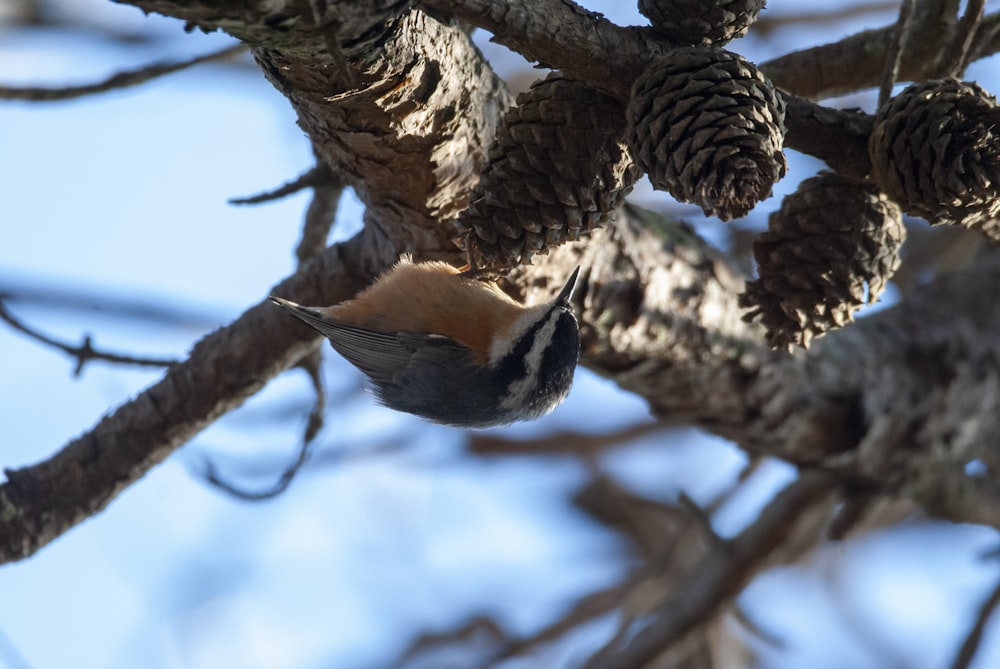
[(566, 294)]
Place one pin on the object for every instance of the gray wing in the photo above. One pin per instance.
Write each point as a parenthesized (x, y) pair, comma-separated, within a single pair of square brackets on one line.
[(444, 383), (383, 356), (377, 354), (425, 374)]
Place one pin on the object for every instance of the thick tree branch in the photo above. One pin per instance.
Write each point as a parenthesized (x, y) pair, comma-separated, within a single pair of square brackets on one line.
[(881, 403), (412, 138), (563, 36), (899, 402), (855, 62), (590, 48), (401, 105), (39, 503)]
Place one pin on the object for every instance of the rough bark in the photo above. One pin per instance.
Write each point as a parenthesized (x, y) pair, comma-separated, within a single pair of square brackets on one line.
[(899, 404)]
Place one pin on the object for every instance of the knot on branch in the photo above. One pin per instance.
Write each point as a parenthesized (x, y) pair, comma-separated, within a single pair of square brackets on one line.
[(708, 127), (935, 149), (701, 22), (557, 168), (828, 250)]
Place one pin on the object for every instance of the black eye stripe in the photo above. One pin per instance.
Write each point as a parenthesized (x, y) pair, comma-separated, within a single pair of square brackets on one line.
[(514, 364), (556, 364)]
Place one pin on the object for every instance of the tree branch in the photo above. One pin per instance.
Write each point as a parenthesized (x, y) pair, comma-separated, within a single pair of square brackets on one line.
[(319, 219), (720, 575), (39, 503), (588, 47), (880, 402), (659, 316), (85, 352), (658, 306), (319, 174), (967, 652), (118, 81)]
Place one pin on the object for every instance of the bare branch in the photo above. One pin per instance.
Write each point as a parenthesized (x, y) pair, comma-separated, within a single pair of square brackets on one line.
[(211, 475), (309, 364), (651, 526), (562, 36), (319, 220), (565, 443), (478, 630), (967, 652), (313, 177), (40, 502), (118, 81), (720, 575), (68, 298), (83, 353), (860, 57), (585, 609), (957, 54), (769, 22), (894, 54), (321, 214)]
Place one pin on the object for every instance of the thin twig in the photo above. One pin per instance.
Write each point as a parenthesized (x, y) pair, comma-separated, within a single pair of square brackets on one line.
[(211, 475), (321, 214), (311, 366), (990, 553), (337, 458), (956, 56), (585, 609), (648, 524), (477, 630), (309, 179), (70, 299), (894, 54), (313, 425), (85, 351), (318, 221), (975, 637), (117, 81)]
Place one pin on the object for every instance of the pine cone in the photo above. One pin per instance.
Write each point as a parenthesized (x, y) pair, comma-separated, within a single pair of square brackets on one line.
[(828, 240), (701, 22), (558, 167), (708, 127), (935, 149)]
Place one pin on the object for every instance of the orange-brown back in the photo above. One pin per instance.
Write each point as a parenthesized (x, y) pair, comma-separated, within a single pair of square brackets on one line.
[(431, 297)]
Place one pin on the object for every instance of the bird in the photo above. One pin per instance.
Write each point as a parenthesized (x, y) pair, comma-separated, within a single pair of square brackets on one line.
[(439, 344)]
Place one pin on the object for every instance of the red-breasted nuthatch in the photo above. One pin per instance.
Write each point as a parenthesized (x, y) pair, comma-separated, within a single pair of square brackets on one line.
[(452, 349)]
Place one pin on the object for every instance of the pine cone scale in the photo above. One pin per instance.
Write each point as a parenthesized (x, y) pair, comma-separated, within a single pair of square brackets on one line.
[(828, 241)]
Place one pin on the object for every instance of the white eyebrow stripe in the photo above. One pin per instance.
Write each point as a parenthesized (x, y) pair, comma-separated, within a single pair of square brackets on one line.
[(518, 391), (504, 343)]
